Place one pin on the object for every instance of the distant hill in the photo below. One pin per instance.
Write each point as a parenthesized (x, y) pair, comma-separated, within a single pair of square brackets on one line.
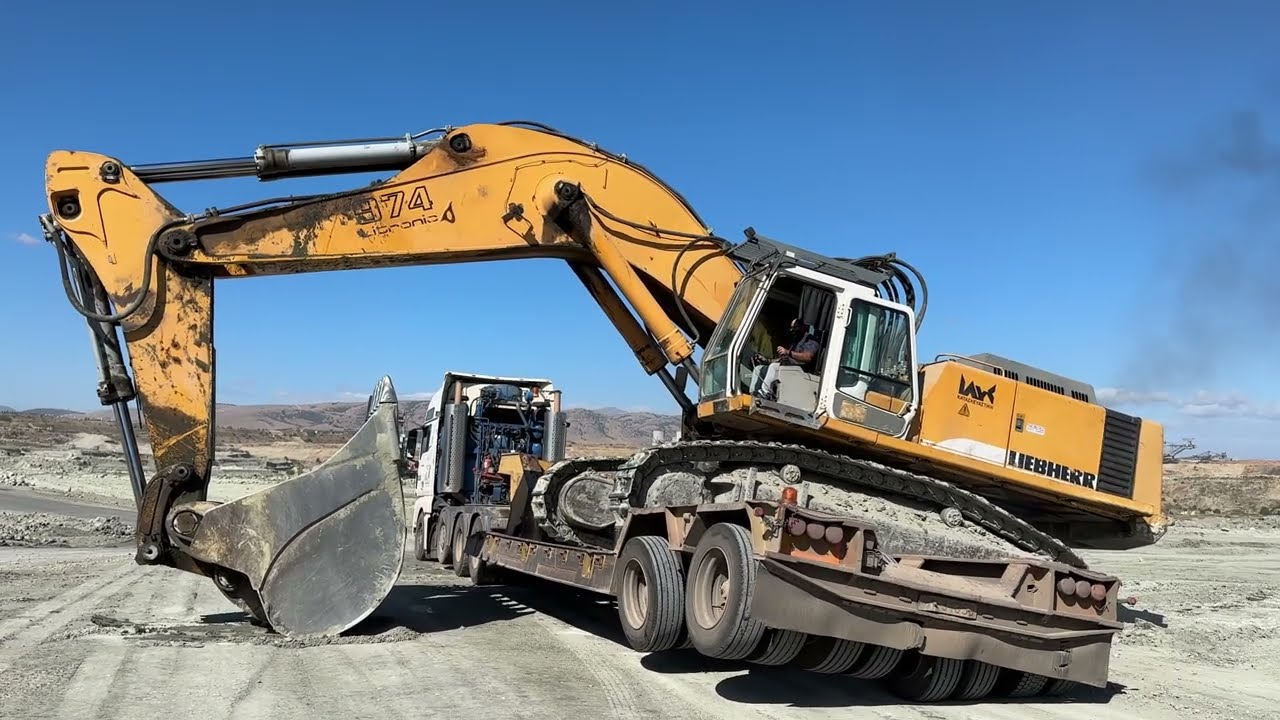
[(54, 412), (602, 427)]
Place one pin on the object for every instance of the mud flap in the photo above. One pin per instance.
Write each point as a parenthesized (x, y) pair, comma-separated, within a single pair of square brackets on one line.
[(323, 549)]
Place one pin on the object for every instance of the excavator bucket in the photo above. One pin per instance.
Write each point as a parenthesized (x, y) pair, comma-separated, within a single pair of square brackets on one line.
[(324, 549)]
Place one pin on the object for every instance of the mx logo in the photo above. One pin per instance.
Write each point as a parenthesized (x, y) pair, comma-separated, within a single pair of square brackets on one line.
[(970, 389)]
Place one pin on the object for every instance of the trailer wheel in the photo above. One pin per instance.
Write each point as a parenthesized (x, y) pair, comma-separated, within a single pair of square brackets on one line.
[(876, 662), (1057, 687), (976, 681), (722, 579), (419, 538), (926, 678), (779, 647), (461, 567), (1019, 684), (829, 656), (651, 594)]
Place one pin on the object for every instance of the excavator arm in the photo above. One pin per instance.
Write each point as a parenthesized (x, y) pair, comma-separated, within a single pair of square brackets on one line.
[(477, 193)]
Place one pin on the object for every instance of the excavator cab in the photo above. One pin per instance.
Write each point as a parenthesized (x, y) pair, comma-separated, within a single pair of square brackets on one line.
[(800, 340)]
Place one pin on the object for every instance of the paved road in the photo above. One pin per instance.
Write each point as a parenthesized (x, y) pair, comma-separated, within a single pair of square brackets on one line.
[(23, 500)]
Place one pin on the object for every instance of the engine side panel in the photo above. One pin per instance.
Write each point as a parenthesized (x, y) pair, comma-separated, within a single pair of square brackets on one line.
[(1026, 428), (967, 411)]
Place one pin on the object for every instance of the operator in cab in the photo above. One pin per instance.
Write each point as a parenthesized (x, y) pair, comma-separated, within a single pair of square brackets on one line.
[(802, 351)]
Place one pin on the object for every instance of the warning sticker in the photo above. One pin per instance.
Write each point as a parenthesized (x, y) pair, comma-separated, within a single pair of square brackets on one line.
[(964, 410)]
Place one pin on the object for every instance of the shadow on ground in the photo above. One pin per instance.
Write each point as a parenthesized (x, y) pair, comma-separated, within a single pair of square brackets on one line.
[(422, 604), (752, 684)]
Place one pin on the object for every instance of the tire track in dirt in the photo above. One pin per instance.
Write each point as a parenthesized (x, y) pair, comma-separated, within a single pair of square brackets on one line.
[(593, 654), (34, 627), (58, 606), (87, 691)]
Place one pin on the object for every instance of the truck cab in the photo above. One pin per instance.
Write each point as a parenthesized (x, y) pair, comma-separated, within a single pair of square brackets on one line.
[(479, 431)]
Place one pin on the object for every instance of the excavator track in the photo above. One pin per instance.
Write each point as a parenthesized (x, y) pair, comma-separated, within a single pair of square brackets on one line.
[(548, 487), (636, 470)]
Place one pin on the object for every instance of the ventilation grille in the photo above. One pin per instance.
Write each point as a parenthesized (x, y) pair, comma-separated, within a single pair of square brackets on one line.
[(1119, 460), (1042, 384)]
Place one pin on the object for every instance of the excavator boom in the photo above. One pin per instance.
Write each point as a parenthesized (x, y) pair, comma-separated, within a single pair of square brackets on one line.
[(482, 192)]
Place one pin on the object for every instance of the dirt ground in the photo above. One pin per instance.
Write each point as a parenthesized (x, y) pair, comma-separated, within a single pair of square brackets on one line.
[(86, 632)]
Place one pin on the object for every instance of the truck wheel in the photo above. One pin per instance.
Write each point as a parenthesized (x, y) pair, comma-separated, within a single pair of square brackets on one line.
[(722, 579), (926, 678), (651, 594), (482, 573), (419, 539), (444, 541), (461, 567)]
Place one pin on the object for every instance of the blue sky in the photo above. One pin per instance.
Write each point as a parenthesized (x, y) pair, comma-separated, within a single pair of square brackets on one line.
[(1020, 157)]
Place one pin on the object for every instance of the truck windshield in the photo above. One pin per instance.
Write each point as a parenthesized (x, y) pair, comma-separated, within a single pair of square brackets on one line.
[(876, 356)]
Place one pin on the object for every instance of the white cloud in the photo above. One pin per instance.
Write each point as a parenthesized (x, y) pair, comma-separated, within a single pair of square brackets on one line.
[(1200, 404), (24, 238), (1212, 404), (1122, 396)]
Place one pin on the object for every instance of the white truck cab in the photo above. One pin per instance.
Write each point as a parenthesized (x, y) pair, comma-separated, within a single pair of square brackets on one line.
[(472, 420)]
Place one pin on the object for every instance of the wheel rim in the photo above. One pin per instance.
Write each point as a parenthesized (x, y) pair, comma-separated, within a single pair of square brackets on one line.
[(712, 589), (442, 543), (635, 595)]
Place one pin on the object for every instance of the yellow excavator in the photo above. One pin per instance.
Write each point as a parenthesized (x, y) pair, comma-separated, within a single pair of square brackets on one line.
[(794, 363)]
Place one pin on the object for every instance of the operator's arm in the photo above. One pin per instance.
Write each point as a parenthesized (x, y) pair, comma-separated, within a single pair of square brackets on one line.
[(803, 353)]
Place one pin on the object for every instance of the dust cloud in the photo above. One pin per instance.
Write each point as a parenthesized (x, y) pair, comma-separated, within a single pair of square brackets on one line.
[(1220, 273)]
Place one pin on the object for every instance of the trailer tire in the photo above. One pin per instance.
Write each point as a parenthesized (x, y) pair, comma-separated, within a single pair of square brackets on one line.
[(723, 568), (832, 656), (926, 678), (1019, 684), (876, 662), (651, 594), (461, 566), (419, 538), (779, 647), (976, 681), (1057, 687)]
